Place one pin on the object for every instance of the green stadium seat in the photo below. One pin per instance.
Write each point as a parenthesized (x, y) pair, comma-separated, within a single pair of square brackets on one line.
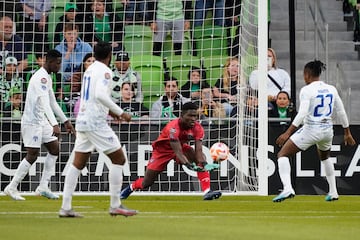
[(210, 41), (59, 3), (138, 40), (214, 67), (152, 73), (179, 66), (186, 47)]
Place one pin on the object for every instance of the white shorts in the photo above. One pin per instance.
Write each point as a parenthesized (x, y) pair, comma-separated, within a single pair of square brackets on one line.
[(34, 135), (306, 137), (175, 26), (104, 141)]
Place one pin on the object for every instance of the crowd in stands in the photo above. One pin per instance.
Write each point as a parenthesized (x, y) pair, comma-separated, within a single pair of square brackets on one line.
[(24, 28)]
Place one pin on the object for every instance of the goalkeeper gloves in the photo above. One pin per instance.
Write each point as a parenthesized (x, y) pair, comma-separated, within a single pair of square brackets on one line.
[(194, 167), (211, 166)]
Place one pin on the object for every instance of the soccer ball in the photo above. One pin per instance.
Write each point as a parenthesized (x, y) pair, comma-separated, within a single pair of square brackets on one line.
[(219, 152)]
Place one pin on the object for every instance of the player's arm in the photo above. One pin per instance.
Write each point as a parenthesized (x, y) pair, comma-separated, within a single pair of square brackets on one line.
[(176, 147), (59, 113), (340, 112), (105, 99)]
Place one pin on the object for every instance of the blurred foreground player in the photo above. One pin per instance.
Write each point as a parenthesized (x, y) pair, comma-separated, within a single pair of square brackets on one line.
[(173, 144), (94, 132), (318, 102)]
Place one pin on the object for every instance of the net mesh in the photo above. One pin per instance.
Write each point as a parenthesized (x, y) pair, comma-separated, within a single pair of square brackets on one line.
[(224, 34)]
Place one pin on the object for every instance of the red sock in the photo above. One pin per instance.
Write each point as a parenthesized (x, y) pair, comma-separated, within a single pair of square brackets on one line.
[(137, 184), (204, 178)]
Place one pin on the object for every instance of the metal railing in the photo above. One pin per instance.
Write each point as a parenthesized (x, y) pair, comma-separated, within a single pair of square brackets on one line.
[(321, 31)]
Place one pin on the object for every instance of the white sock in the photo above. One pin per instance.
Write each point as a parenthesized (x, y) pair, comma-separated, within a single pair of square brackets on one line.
[(330, 176), (284, 172), (115, 184), (20, 173), (49, 168), (71, 180)]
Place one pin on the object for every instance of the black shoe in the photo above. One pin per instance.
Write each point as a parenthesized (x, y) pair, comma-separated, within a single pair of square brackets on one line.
[(210, 195)]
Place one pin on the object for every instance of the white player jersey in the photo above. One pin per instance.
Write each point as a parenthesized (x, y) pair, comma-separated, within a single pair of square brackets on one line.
[(37, 95), (93, 113), (318, 102)]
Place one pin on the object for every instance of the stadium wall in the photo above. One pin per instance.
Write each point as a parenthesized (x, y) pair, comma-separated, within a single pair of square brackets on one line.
[(308, 177)]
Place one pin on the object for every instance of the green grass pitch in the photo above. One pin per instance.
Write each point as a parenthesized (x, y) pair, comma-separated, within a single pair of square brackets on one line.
[(185, 218)]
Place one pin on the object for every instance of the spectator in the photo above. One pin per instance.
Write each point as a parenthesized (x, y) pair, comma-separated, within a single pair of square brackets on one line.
[(129, 104), (232, 19), (124, 73), (103, 26), (282, 108), (208, 107), (11, 44), (73, 50), (203, 6), (169, 105), (168, 16), (225, 88), (76, 81), (9, 8), (71, 16), (135, 11), (10, 78), (14, 107), (192, 88), (33, 24), (278, 79)]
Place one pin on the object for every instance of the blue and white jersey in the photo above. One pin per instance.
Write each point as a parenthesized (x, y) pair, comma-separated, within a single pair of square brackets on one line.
[(95, 99), (318, 103)]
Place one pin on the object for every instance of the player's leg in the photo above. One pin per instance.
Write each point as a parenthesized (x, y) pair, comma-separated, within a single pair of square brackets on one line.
[(115, 183), (324, 154), (31, 136), (21, 171), (83, 148), (157, 163), (204, 177), (48, 170), (289, 149), (70, 183)]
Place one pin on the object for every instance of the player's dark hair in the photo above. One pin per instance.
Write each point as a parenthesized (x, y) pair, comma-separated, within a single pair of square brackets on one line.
[(102, 50), (315, 68), (189, 106), (53, 54)]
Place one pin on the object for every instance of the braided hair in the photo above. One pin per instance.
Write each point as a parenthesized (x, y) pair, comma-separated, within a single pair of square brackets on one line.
[(315, 68)]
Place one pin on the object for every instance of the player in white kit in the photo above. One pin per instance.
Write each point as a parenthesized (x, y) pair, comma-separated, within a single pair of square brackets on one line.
[(318, 102), (39, 126), (94, 132)]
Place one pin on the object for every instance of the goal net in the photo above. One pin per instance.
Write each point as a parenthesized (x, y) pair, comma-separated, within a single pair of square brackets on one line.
[(213, 43)]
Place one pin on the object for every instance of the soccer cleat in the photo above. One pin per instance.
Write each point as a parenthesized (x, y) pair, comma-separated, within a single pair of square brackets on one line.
[(330, 198), (13, 193), (125, 193), (210, 195), (69, 214), (122, 210), (45, 192), (284, 195)]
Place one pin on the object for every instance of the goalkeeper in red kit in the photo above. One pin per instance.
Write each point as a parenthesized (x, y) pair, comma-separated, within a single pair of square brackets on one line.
[(173, 144)]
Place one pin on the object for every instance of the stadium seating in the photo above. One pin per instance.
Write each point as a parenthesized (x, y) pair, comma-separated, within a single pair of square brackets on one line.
[(54, 15), (186, 47), (214, 66), (210, 41), (138, 40), (179, 66), (152, 74)]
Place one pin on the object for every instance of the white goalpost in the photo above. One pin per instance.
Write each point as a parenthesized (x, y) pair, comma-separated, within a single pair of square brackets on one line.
[(208, 48)]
